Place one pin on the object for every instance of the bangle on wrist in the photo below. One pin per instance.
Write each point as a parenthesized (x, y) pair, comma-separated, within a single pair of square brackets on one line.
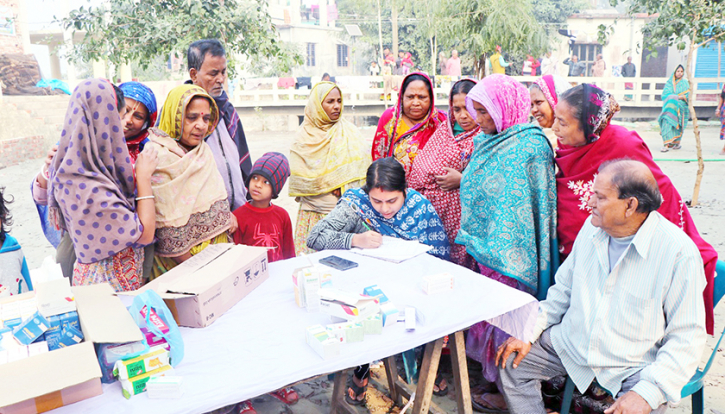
[(144, 197)]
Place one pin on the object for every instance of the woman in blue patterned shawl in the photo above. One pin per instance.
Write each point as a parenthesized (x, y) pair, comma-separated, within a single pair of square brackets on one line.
[(508, 200), (675, 111)]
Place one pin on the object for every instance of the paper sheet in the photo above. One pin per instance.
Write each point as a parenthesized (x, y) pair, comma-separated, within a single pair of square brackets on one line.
[(395, 250)]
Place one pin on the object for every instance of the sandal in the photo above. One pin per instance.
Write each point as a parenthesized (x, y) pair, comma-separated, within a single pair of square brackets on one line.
[(676, 147), (286, 395), (487, 406), (441, 391), (354, 392), (665, 149), (245, 407)]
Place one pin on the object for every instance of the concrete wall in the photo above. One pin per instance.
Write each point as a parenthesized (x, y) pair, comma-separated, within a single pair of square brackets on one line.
[(14, 44)]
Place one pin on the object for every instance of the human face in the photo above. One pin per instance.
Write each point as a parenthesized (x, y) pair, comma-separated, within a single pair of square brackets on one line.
[(261, 190), (454, 54), (609, 212), (461, 114), (484, 120), (416, 101), (575, 58), (567, 129), (212, 75), (196, 122), (135, 118), (387, 203), (541, 109), (679, 72), (333, 104)]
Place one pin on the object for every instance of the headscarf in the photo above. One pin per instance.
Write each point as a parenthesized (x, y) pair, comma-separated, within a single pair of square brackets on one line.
[(92, 185), (386, 139), (598, 109), (326, 154), (552, 86), (143, 94), (191, 199), (505, 99), (416, 220)]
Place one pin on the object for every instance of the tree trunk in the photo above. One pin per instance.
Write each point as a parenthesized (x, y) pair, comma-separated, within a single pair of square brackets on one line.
[(479, 67), (380, 37), (433, 56), (394, 18), (695, 126)]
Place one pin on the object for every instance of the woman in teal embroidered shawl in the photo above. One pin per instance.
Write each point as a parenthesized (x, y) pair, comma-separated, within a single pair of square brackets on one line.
[(508, 200), (675, 111)]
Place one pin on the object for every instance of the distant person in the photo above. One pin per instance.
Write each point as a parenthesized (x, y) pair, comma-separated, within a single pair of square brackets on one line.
[(453, 66), (374, 69), (547, 65), (407, 63), (442, 64), (599, 67), (629, 70), (576, 68), (498, 63), (675, 111), (532, 64), (720, 111), (14, 275), (389, 58), (325, 77)]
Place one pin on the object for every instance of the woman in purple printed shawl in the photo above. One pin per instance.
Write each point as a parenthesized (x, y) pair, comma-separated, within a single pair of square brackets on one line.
[(93, 194)]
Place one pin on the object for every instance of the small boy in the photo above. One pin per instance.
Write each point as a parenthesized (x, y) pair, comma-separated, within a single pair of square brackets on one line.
[(14, 275), (260, 222)]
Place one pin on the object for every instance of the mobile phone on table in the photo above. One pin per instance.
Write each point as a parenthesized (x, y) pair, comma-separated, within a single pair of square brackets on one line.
[(338, 263)]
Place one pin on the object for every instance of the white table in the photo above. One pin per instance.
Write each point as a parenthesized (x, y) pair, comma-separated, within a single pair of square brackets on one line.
[(259, 345)]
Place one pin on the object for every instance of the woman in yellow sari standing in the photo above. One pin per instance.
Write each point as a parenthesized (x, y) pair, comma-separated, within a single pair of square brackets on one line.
[(329, 156), (192, 210)]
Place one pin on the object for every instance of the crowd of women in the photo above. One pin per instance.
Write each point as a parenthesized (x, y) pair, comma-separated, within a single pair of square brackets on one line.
[(125, 201)]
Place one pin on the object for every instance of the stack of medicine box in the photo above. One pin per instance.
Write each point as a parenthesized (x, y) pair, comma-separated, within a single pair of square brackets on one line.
[(136, 372), (307, 282)]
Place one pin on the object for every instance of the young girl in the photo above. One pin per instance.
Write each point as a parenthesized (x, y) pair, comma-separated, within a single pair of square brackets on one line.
[(14, 276)]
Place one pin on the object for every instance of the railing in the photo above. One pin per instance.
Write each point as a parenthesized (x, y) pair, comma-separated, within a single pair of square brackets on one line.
[(368, 90)]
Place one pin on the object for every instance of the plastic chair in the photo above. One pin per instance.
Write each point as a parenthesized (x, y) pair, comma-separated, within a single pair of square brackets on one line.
[(695, 386)]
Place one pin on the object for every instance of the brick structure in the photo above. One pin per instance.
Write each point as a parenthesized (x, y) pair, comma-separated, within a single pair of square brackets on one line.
[(12, 44), (14, 151)]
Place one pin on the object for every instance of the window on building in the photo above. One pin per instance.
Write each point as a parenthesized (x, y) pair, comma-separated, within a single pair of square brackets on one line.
[(587, 53), (311, 54), (342, 58)]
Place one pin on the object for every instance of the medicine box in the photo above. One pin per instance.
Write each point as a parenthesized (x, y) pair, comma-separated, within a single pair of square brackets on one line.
[(137, 384), (389, 313), (167, 386), (30, 329), (347, 331), (350, 306), (375, 292), (322, 342), (438, 283), (373, 325), (69, 336), (154, 359)]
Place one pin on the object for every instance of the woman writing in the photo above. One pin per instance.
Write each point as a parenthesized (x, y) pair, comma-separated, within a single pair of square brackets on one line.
[(545, 93), (327, 158), (675, 111), (508, 201), (586, 140), (436, 173), (93, 195), (192, 210), (404, 129)]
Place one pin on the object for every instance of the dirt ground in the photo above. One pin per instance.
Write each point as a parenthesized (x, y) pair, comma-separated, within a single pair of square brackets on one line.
[(680, 165)]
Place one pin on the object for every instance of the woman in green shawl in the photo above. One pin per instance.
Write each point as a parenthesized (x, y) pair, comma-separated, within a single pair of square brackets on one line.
[(675, 112)]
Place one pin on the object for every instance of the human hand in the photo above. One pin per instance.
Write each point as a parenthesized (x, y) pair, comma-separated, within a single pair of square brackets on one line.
[(367, 240), (629, 403), (234, 223), (42, 181), (146, 162), (512, 345), (450, 180)]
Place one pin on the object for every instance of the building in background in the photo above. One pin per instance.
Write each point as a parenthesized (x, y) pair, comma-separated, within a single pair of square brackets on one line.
[(14, 36)]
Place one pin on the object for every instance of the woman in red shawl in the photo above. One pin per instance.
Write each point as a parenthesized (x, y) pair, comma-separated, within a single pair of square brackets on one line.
[(404, 129), (436, 173), (586, 140)]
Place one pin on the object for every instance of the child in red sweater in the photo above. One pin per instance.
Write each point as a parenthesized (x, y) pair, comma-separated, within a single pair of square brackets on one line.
[(260, 222)]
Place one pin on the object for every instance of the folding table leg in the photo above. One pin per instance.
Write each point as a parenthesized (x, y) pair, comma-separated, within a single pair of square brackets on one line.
[(391, 371), (460, 373), (427, 376), (337, 403)]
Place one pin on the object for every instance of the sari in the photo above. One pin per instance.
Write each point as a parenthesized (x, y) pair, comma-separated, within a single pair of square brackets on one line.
[(508, 201), (91, 190), (394, 138), (143, 94), (579, 165), (445, 149), (416, 220), (721, 112), (326, 156), (675, 111), (191, 200)]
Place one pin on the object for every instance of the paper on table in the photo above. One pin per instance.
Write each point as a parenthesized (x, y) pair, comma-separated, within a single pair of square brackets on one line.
[(395, 250)]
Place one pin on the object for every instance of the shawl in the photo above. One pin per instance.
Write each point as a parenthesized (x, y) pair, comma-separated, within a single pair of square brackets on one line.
[(143, 94), (405, 147), (91, 188), (326, 154), (579, 165), (236, 131), (552, 86), (416, 220), (675, 112), (189, 192), (508, 198), (444, 149), (506, 100)]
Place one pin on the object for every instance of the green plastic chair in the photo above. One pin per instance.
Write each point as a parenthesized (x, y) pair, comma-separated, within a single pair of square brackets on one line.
[(695, 386)]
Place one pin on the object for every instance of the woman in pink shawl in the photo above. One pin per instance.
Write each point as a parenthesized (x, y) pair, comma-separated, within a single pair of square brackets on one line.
[(436, 173), (404, 129)]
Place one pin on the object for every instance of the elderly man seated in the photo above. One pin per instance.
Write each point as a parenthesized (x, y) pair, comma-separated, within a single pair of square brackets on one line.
[(627, 307)]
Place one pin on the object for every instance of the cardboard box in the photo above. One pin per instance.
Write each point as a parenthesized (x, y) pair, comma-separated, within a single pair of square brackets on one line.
[(55, 297), (202, 288), (53, 379), (346, 305)]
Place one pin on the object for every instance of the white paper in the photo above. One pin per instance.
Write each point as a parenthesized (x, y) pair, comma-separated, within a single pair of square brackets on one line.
[(395, 250)]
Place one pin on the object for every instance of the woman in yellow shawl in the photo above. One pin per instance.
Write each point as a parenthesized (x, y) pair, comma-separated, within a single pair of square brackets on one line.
[(329, 156), (192, 210)]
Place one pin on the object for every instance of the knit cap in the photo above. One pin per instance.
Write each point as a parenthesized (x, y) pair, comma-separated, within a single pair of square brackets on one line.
[(275, 168)]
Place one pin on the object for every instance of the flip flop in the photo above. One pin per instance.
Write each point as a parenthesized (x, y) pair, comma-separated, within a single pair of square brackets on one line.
[(441, 392), (491, 409), (353, 392)]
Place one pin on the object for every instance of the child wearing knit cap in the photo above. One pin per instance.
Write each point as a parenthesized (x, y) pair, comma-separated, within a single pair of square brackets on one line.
[(260, 222)]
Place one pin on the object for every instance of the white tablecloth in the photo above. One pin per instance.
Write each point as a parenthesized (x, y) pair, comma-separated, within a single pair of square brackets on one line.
[(259, 345)]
